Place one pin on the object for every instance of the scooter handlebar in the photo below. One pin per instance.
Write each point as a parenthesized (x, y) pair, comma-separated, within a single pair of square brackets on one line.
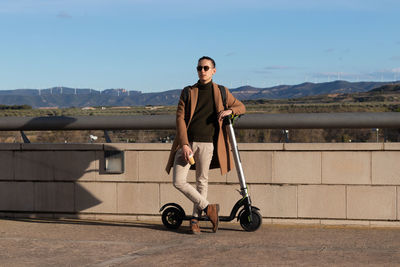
[(230, 119)]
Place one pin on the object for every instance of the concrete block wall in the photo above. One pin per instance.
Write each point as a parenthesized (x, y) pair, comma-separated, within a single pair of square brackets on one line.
[(336, 183)]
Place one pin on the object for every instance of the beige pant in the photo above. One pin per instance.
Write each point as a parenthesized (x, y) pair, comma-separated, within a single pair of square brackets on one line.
[(203, 153)]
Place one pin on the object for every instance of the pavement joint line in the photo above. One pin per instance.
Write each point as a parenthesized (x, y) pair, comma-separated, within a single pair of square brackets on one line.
[(119, 260), (146, 251)]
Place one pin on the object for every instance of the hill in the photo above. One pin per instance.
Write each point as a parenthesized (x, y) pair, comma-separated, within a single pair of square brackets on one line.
[(385, 93), (64, 97), (305, 89)]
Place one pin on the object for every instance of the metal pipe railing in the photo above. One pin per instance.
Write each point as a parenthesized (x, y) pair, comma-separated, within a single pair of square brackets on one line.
[(249, 121)]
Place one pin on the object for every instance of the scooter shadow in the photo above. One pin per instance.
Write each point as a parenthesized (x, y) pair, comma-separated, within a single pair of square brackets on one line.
[(183, 230)]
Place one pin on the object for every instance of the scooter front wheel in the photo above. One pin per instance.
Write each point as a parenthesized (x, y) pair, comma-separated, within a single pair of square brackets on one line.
[(172, 218), (250, 225)]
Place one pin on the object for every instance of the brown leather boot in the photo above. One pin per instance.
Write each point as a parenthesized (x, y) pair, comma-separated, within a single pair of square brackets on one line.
[(194, 226), (212, 214)]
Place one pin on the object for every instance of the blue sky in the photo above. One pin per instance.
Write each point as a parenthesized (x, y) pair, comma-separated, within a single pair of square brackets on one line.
[(154, 45)]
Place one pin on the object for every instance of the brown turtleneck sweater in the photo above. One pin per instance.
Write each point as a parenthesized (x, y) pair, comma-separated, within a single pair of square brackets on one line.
[(203, 126)]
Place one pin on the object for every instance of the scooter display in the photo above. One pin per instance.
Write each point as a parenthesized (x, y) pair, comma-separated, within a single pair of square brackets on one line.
[(249, 216)]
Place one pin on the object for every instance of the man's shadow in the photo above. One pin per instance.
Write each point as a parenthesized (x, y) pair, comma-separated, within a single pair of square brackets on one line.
[(44, 178)]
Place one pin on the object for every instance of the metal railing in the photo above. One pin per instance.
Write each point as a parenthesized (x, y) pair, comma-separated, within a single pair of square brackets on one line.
[(250, 121)]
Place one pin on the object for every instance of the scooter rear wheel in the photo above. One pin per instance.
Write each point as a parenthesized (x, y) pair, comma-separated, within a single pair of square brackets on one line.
[(253, 224), (172, 218)]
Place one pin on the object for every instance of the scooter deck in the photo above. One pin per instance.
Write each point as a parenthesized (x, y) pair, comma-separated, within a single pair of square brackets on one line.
[(205, 218)]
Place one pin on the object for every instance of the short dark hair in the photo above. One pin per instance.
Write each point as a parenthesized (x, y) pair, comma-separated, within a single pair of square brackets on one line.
[(208, 58)]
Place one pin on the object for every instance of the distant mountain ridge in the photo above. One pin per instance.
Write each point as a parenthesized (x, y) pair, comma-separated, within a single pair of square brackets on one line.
[(64, 97)]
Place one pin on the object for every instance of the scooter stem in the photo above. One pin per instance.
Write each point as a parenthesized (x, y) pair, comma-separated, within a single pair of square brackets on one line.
[(236, 157)]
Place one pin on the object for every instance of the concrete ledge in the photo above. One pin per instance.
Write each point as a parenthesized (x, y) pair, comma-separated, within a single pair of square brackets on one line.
[(10, 147), (345, 223), (241, 146), (336, 223), (296, 221), (138, 146), (328, 184), (68, 146), (391, 146), (333, 146), (260, 146)]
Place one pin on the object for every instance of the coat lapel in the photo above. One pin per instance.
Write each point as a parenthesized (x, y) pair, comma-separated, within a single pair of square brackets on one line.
[(217, 98), (217, 101), (194, 92)]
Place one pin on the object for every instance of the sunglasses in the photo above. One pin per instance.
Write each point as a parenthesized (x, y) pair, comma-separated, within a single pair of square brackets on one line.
[(206, 68)]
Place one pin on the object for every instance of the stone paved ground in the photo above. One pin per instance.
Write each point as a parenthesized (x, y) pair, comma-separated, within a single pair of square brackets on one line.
[(28, 242)]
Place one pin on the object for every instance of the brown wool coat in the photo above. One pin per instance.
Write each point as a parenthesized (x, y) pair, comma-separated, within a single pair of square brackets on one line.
[(223, 147)]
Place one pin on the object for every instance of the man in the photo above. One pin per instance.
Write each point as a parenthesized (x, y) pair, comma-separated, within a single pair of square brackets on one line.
[(200, 133)]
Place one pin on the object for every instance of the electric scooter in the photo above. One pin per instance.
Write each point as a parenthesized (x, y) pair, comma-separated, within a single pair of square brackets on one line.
[(249, 216)]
